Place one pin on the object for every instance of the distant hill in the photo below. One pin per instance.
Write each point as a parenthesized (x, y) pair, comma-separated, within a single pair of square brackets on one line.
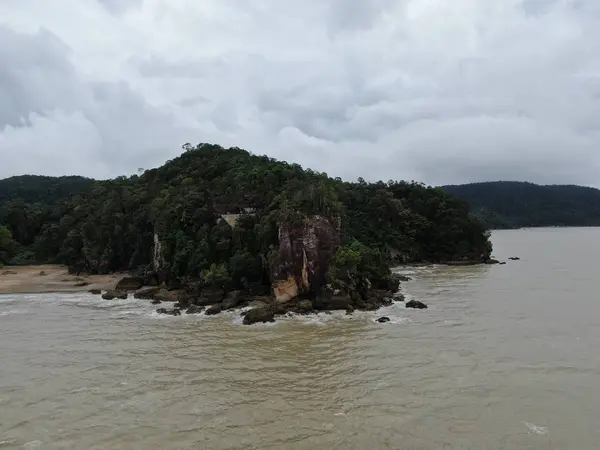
[(511, 204), (43, 189)]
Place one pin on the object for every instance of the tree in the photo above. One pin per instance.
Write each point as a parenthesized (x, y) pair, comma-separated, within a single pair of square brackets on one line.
[(7, 245)]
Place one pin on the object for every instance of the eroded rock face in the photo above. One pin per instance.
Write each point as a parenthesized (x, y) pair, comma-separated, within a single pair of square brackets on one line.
[(286, 290), (306, 246)]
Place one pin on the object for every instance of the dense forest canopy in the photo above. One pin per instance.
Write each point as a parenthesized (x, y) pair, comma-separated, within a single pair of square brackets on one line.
[(105, 226), (509, 204)]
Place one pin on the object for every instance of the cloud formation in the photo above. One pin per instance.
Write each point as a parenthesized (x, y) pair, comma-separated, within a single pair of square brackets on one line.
[(431, 90)]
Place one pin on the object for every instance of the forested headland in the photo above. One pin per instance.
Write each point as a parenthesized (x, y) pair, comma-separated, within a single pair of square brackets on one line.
[(227, 218), (511, 204)]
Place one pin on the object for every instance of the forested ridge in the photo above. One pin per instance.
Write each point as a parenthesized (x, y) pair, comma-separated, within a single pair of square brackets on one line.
[(510, 204), (106, 226)]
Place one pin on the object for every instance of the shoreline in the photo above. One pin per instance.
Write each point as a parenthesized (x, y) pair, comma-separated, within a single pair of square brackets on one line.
[(48, 279)]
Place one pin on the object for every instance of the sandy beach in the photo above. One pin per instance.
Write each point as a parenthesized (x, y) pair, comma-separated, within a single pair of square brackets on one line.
[(50, 278)]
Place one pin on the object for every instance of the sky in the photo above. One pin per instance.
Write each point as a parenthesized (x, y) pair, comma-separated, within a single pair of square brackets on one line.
[(431, 90)]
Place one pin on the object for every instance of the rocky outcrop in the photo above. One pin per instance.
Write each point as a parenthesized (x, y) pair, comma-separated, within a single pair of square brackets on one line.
[(147, 294), (129, 284), (262, 314), (234, 299), (213, 310), (194, 309), (305, 306), (111, 295), (170, 312), (306, 246), (416, 304)]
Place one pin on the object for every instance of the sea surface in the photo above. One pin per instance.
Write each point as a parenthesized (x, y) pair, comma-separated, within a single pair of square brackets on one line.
[(506, 357)]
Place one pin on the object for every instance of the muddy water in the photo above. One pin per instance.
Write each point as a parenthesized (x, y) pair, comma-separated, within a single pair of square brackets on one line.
[(505, 358)]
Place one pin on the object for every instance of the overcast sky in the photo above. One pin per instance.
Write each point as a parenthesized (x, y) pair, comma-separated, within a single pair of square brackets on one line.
[(433, 90)]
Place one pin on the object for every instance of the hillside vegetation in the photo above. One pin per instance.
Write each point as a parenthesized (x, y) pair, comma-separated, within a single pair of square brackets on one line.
[(105, 226), (508, 204)]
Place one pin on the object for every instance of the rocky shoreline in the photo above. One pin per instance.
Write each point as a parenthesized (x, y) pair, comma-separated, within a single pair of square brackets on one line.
[(264, 307)]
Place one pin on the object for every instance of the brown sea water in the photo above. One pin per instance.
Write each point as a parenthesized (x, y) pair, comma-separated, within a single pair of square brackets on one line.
[(506, 357)]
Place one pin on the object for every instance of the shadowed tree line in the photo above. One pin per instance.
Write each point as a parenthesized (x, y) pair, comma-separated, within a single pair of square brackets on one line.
[(508, 204)]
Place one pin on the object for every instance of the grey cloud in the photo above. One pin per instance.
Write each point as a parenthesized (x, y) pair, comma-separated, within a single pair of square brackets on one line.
[(120, 6), (97, 128), (443, 92)]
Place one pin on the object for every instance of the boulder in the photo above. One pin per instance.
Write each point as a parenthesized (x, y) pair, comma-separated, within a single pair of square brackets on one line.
[(399, 297), (95, 291), (492, 261), (168, 296), (326, 300), (383, 319), (147, 294), (213, 310), (111, 295), (210, 296), (129, 284), (43, 274), (259, 315), (349, 310), (194, 309), (233, 299), (258, 289), (150, 279), (278, 309), (171, 312), (403, 277), (174, 284), (391, 284), (360, 303), (183, 301), (514, 258), (258, 302), (156, 302), (416, 304), (305, 306), (81, 284)]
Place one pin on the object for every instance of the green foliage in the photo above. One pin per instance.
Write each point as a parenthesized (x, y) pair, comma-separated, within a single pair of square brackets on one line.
[(217, 275), (104, 226), (507, 204), (23, 258), (7, 245), (353, 265)]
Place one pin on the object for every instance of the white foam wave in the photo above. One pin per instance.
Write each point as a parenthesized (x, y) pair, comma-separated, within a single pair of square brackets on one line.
[(11, 312), (537, 429)]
